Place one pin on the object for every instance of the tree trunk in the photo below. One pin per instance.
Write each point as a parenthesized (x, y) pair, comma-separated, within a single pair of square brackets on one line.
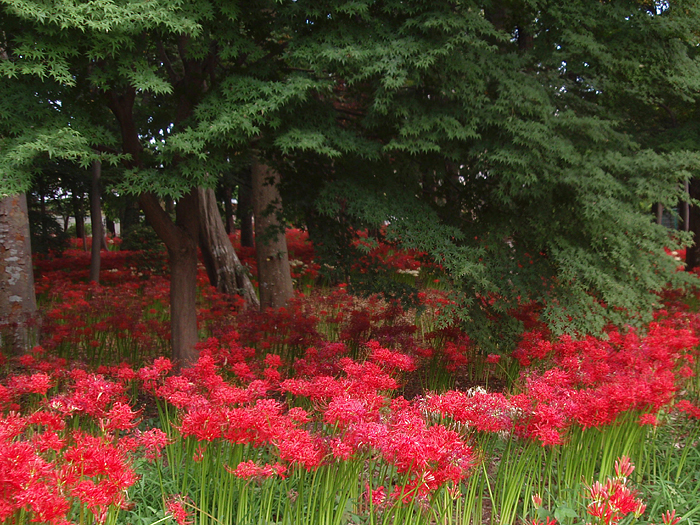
[(245, 213), (274, 275), (685, 206), (79, 218), (183, 300), (230, 221), (181, 241), (692, 254), (96, 220), (224, 268), (18, 328), (130, 216)]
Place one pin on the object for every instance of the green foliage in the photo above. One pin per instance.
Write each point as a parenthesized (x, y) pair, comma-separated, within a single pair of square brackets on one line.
[(515, 143)]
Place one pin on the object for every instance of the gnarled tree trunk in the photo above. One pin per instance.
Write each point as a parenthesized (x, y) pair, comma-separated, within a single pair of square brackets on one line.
[(224, 268), (18, 328), (274, 275)]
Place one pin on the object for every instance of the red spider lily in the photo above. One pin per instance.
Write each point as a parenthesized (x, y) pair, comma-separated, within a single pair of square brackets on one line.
[(669, 517), (537, 500), (613, 500), (33, 384), (251, 470), (175, 506), (688, 408), (623, 467), (548, 521), (376, 497)]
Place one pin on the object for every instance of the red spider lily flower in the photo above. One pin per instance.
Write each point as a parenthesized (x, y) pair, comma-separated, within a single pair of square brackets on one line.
[(153, 441), (648, 419), (537, 500), (119, 417), (548, 521), (687, 407), (493, 359), (344, 411), (376, 497), (389, 358), (34, 384), (48, 440), (623, 467), (298, 414), (251, 470), (341, 450), (669, 517), (176, 507), (273, 360), (641, 507)]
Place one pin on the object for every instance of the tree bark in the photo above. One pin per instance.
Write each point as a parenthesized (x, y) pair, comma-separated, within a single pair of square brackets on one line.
[(224, 269), (18, 320), (274, 274), (692, 254), (96, 220), (245, 213), (79, 219)]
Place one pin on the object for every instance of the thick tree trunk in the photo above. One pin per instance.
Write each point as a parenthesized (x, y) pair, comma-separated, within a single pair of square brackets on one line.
[(224, 268), (181, 240), (245, 213), (183, 298), (18, 322), (274, 275), (96, 220)]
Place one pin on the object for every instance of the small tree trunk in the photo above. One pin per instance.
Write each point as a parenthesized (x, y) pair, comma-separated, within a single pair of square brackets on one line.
[(224, 269), (245, 213), (130, 217), (692, 254), (230, 221), (96, 220), (79, 219), (274, 274), (685, 206), (18, 328)]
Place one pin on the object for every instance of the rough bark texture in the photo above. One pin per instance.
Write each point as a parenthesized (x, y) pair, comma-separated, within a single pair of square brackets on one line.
[(96, 220), (224, 268), (274, 275), (18, 328)]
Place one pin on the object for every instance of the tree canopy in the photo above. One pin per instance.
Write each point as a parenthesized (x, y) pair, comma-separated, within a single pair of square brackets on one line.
[(518, 143)]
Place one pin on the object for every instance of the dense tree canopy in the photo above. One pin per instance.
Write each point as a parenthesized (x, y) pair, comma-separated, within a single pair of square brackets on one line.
[(518, 143)]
